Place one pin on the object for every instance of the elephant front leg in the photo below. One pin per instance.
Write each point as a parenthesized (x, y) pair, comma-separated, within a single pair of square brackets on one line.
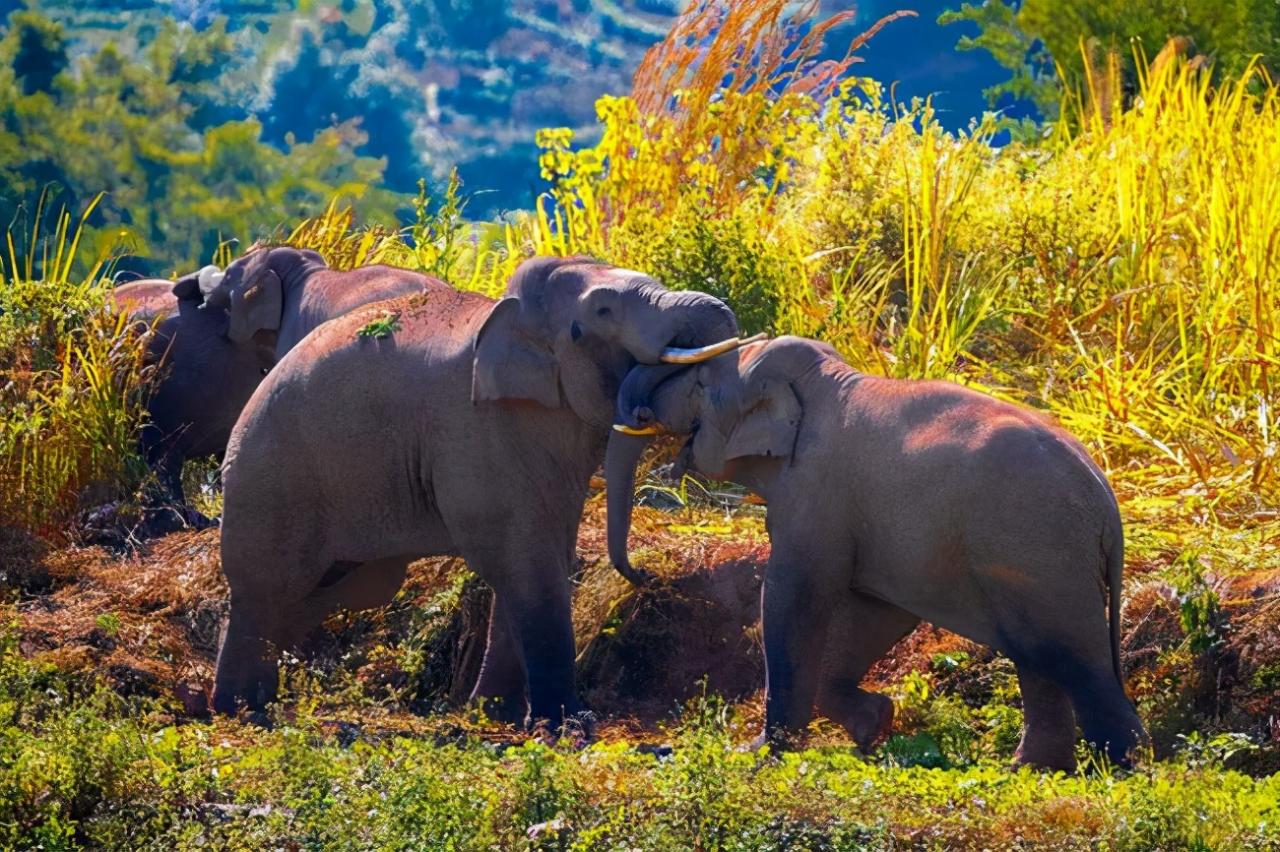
[(502, 686), (544, 627), (796, 611)]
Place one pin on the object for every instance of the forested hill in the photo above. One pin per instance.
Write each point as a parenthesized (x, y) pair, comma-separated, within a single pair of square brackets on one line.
[(438, 83), (432, 82)]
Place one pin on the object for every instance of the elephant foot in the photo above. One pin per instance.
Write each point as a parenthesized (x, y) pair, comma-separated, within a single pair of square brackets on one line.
[(1046, 752), (506, 709), (247, 672), (577, 729), (778, 740), (866, 716)]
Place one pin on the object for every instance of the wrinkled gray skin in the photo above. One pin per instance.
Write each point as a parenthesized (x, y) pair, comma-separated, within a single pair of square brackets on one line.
[(893, 501), (218, 345), (473, 429), (204, 380)]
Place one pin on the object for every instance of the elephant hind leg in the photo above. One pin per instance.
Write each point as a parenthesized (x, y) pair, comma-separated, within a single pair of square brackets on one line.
[(502, 686), (1049, 725), (1106, 715), (248, 666), (1054, 624), (1103, 711)]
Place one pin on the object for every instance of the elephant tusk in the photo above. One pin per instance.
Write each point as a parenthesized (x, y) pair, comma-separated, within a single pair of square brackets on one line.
[(655, 429), (676, 355)]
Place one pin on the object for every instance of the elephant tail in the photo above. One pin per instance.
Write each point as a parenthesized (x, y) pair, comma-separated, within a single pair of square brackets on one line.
[(1113, 551)]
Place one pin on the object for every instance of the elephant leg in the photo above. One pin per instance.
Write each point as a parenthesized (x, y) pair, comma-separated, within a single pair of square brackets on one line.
[(1105, 714), (1056, 627), (502, 686), (862, 629), (169, 473), (248, 664), (796, 611), (1049, 725), (535, 595), (543, 626)]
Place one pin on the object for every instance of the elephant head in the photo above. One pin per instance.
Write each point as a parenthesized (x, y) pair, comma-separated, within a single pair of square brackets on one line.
[(569, 330), (735, 408), (253, 289)]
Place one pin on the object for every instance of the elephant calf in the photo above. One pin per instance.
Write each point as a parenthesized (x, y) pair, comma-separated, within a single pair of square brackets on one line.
[(891, 501)]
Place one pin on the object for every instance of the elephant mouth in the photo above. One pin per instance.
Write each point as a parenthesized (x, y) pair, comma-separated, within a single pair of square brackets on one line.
[(639, 420)]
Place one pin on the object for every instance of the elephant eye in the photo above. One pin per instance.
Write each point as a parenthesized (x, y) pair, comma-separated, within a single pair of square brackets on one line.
[(604, 313)]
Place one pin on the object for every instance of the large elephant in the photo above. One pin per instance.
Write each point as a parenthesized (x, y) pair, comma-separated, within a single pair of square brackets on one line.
[(472, 427), (891, 501), (225, 330)]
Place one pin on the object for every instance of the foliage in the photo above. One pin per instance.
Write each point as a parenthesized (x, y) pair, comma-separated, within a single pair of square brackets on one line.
[(82, 768), (1030, 37), (176, 185), (387, 323), (71, 381), (1121, 275)]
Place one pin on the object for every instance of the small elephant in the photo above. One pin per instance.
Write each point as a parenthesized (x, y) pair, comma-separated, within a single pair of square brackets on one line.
[(224, 331), (891, 501), (472, 427)]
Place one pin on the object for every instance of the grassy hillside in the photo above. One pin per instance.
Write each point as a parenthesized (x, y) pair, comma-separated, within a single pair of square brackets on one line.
[(1122, 274)]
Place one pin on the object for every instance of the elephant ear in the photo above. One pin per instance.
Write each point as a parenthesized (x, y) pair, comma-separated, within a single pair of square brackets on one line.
[(187, 288), (194, 286), (770, 411), (257, 307), (511, 362), (768, 423)]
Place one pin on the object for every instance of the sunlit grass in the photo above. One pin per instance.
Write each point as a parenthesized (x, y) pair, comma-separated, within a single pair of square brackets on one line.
[(1123, 274), (72, 379)]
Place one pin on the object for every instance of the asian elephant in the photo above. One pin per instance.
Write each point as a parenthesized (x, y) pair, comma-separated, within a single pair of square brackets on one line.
[(224, 332), (892, 501), (471, 427), (203, 380)]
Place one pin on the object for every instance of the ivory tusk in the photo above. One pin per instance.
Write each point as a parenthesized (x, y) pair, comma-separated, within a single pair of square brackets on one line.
[(643, 430), (675, 355)]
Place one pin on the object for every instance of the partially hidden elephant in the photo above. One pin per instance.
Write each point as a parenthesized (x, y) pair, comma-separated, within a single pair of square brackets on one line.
[(203, 380), (891, 501), (470, 427), (224, 331)]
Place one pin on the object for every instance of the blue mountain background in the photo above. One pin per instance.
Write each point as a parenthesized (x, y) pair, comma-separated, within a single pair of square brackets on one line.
[(438, 84)]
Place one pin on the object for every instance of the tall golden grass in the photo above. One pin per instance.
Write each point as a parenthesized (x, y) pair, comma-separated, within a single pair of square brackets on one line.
[(1124, 273), (72, 376)]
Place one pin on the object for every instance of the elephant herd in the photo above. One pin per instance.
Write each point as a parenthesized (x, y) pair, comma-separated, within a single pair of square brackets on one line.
[(370, 418)]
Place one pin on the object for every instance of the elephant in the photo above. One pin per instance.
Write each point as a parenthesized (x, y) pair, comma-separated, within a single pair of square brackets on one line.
[(223, 332), (203, 380), (471, 428), (892, 501)]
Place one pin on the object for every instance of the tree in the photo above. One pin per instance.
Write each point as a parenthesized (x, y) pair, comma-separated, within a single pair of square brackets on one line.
[(1032, 36), (141, 130)]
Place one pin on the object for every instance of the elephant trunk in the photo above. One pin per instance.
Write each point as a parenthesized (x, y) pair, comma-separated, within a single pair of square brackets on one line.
[(620, 460), (634, 427)]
